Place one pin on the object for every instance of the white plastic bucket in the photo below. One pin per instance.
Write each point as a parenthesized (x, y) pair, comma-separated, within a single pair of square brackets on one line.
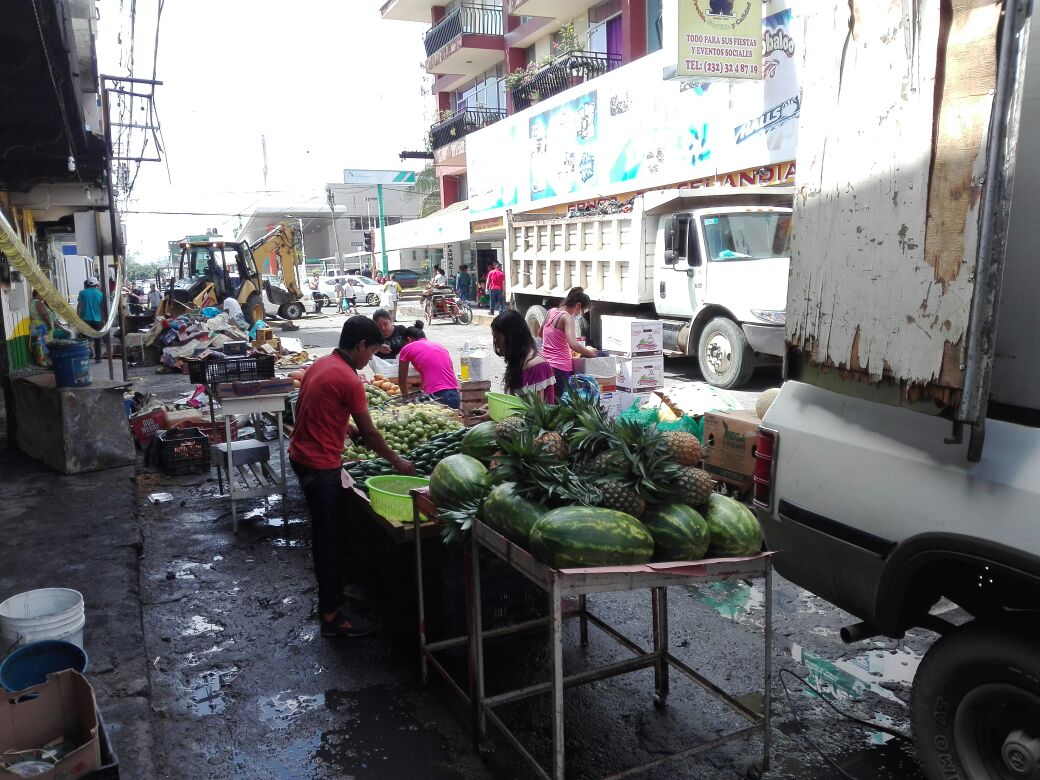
[(47, 613)]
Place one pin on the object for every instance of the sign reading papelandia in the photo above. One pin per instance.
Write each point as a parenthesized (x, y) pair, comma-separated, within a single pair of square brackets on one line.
[(720, 39)]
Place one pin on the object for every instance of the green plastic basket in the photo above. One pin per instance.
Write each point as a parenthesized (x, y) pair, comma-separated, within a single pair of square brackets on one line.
[(389, 495), (501, 406)]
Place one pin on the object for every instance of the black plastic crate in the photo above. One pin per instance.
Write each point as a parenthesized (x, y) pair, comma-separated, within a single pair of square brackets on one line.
[(237, 369), (506, 595), (183, 451)]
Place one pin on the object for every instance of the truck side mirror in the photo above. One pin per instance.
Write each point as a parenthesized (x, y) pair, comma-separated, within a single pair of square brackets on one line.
[(675, 239)]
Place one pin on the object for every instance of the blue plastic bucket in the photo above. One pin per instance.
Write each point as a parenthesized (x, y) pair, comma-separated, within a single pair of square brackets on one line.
[(71, 361), (29, 665)]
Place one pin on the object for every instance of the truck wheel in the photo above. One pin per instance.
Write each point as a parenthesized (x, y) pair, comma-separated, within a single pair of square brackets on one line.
[(292, 311), (724, 355), (976, 705), (535, 318), (254, 309)]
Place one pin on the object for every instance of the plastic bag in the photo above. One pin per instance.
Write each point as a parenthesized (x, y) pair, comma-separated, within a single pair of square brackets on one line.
[(685, 423), (645, 417), (582, 385)]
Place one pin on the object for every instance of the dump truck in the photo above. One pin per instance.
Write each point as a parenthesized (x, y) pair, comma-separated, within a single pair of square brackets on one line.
[(710, 263), (898, 468)]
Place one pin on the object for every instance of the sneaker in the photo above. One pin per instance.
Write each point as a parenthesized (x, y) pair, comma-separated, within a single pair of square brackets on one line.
[(346, 626)]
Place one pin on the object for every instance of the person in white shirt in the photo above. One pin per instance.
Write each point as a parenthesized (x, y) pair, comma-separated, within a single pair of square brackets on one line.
[(439, 279), (234, 312), (391, 293), (153, 298)]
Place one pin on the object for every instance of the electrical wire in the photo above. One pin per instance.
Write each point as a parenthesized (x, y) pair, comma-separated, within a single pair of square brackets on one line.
[(804, 731)]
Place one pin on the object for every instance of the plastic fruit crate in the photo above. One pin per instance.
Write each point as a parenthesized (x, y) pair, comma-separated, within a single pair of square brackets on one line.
[(183, 451), (390, 495), (501, 406), (238, 369)]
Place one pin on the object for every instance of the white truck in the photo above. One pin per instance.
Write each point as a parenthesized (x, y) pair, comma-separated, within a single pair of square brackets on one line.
[(710, 263), (898, 469)]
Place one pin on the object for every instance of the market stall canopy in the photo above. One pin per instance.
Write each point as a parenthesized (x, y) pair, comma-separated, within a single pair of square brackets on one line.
[(446, 226)]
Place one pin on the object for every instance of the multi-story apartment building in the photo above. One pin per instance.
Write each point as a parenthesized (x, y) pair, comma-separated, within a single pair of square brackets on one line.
[(543, 104)]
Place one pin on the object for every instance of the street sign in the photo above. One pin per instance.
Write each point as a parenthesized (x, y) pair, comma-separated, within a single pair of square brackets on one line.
[(366, 176)]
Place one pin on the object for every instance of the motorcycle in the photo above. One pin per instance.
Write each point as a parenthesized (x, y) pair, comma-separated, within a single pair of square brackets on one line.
[(445, 304)]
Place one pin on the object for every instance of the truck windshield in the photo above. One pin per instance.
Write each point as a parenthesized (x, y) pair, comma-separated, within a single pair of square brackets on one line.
[(747, 235)]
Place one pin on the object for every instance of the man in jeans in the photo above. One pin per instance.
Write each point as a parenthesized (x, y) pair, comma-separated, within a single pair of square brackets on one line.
[(331, 395), (496, 282)]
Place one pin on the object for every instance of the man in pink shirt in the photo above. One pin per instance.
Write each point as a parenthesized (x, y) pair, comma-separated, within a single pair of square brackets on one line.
[(496, 282), (434, 364)]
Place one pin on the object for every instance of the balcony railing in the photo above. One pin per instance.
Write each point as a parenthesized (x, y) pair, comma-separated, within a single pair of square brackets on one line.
[(462, 123), (565, 71), (472, 19)]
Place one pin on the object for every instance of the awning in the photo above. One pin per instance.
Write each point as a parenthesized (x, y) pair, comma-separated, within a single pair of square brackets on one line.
[(446, 226)]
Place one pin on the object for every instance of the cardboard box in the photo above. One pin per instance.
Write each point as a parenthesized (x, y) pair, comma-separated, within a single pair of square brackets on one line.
[(607, 384), (144, 426), (629, 336), (610, 403), (61, 708), (640, 373), (730, 439), (597, 366), (628, 397)]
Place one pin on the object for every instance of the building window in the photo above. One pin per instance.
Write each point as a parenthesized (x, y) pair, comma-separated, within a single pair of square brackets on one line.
[(654, 26), (463, 187), (392, 220), (605, 28), (485, 91), (357, 223), (530, 55)]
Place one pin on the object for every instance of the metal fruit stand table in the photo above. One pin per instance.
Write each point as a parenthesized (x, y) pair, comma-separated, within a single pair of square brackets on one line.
[(558, 584)]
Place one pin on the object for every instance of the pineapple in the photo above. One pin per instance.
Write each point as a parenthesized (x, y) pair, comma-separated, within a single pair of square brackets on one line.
[(622, 497), (541, 476), (553, 444), (590, 431), (683, 447), (694, 486), (510, 427)]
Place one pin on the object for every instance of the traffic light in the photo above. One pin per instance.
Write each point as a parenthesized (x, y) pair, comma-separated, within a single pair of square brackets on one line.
[(369, 240)]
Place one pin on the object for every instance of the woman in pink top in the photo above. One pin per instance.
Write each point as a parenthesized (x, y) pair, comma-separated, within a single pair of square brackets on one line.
[(558, 337), (434, 365)]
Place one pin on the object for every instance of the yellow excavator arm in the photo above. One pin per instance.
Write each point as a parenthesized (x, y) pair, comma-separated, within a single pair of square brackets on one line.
[(280, 252)]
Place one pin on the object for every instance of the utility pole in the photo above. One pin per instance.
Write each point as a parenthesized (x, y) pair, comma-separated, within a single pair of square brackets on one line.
[(382, 227), (335, 230)]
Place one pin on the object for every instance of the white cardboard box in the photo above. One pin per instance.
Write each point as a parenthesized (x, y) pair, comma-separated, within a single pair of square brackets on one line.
[(640, 373), (628, 397), (630, 336), (610, 403)]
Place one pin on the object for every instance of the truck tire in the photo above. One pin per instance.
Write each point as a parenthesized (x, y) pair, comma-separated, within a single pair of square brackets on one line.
[(254, 308), (976, 705), (724, 355), (293, 310), (535, 318)]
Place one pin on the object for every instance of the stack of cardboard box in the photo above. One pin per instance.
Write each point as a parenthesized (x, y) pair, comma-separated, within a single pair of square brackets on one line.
[(637, 347)]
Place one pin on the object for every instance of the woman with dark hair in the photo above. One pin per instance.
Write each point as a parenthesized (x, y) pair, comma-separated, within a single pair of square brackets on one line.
[(434, 364), (558, 338), (332, 394), (393, 335), (526, 370)]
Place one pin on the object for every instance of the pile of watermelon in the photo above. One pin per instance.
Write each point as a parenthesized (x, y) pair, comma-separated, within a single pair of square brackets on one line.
[(464, 488)]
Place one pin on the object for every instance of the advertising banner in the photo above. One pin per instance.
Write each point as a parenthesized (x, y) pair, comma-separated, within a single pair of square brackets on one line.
[(720, 39), (631, 130)]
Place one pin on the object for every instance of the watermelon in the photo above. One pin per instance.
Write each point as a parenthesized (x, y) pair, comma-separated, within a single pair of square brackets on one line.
[(734, 529), (511, 515), (458, 480), (679, 532), (578, 536), (480, 442)]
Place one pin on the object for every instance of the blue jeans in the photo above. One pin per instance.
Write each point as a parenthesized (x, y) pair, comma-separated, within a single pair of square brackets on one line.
[(495, 301), (448, 398)]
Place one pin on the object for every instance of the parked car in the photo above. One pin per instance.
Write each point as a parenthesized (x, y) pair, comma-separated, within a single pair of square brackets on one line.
[(366, 290), (409, 279)]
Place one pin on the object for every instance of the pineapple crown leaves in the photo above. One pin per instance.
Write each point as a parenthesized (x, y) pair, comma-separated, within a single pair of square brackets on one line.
[(539, 475), (457, 521)]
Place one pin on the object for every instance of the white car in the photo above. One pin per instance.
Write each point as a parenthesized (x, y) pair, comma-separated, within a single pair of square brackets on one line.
[(364, 290)]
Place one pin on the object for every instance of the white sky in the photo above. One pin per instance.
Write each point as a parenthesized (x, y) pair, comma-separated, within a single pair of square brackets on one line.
[(328, 82)]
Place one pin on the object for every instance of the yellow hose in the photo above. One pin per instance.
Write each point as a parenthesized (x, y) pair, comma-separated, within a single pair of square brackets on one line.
[(19, 257)]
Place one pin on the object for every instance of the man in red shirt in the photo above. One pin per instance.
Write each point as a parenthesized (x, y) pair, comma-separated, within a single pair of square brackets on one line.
[(330, 395), (496, 282)]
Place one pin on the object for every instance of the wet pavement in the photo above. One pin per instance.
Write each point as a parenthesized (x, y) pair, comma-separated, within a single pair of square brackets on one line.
[(208, 663)]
